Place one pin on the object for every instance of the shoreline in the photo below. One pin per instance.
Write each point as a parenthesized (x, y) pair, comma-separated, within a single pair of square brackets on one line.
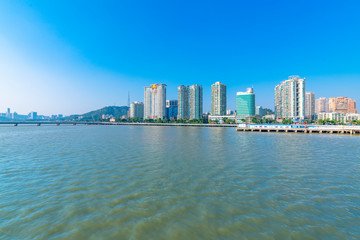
[(39, 123)]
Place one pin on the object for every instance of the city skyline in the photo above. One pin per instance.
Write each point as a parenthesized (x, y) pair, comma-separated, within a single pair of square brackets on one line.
[(313, 108), (78, 66)]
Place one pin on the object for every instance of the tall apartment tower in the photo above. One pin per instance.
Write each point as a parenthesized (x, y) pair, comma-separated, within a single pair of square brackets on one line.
[(290, 98), (137, 110), (218, 99), (245, 104), (183, 102), (309, 105), (154, 101), (321, 105), (196, 101)]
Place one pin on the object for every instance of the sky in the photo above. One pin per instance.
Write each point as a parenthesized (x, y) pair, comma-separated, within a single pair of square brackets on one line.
[(74, 56)]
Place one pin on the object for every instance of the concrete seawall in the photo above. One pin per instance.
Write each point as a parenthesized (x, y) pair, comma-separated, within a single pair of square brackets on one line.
[(58, 123)]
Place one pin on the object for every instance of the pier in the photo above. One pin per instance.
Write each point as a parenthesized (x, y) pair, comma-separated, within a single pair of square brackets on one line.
[(301, 129)]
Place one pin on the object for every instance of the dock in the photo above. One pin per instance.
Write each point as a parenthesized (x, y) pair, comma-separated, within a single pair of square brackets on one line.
[(304, 129)]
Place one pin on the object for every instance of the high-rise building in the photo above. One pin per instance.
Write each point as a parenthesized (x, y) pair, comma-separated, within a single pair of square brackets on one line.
[(342, 105), (137, 110), (352, 106), (245, 104), (196, 101), (259, 111), (290, 98), (218, 99), (183, 102), (154, 101), (8, 113), (33, 115), (171, 109), (321, 105), (309, 105)]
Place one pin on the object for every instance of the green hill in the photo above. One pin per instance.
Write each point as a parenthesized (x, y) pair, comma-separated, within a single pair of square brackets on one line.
[(115, 111)]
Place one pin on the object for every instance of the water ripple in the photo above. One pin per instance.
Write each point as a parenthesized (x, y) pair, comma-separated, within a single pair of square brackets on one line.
[(119, 182)]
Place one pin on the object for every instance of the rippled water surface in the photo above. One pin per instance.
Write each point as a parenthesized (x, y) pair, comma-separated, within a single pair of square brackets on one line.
[(123, 182)]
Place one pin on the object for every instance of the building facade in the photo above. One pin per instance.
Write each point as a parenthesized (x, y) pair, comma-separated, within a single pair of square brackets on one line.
[(290, 99), (33, 115), (309, 105), (154, 101), (321, 105), (183, 102), (245, 104), (340, 117), (259, 111), (196, 101), (342, 105), (171, 109), (137, 110), (218, 99), (220, 119)]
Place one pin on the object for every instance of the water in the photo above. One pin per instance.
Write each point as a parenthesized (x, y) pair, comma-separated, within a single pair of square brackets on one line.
[(123, 182)]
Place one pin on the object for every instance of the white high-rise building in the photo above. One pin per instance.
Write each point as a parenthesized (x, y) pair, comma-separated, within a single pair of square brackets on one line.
[(309, 105), (183, 102), (290, 99), (218, 99), (137, 110), (155, 101), (196, 101)]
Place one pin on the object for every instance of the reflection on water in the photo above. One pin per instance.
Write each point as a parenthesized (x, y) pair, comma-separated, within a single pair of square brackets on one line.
[(123, 182)]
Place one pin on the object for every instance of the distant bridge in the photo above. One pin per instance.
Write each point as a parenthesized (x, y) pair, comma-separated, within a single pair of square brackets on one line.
[(58, 123)]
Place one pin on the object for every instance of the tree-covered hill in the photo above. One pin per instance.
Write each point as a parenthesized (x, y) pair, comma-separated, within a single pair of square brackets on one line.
[(115, 111)]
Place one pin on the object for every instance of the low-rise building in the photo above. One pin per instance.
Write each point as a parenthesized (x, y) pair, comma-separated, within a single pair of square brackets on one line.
[(337, 116), (220, 119), (352, 116), (270, 116)]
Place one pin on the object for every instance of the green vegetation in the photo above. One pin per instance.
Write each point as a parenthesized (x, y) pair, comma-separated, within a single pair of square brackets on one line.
[(228, 121), (116, 112), (262, 121), (287, 121), (355, 122), (329, 122)]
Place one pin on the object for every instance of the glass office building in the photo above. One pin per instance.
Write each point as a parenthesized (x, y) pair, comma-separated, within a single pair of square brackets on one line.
[(245, 104)]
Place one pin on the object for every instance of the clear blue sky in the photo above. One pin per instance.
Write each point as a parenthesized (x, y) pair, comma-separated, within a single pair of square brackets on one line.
[(75, 56)]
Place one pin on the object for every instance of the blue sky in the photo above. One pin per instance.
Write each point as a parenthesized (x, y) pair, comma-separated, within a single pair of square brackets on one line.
[(75, 56)]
